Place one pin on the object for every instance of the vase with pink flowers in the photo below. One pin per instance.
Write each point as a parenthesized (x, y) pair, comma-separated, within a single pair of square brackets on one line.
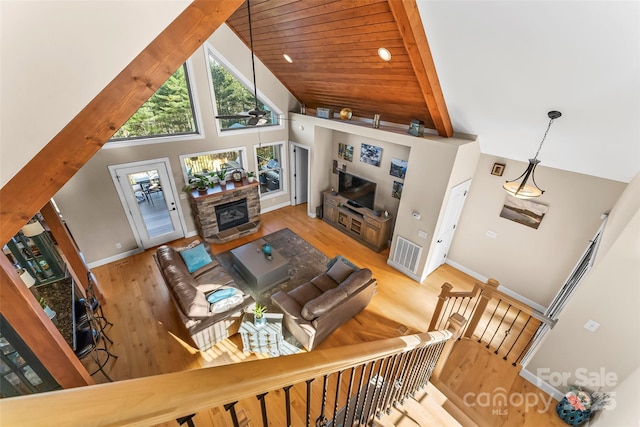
[(577, 405)]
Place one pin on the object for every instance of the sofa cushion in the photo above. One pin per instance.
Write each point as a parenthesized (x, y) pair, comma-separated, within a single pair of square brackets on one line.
[(196, 258), (167, 256), (305, 293), (177, 273), (323, 282), (339, 271), (355, 281), (325, 302), (191, 301)]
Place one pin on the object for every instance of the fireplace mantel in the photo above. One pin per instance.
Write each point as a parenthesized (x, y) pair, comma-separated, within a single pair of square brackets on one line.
[(204, 214)]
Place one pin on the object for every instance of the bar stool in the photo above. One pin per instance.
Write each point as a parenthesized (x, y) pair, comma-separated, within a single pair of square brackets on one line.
[(89, 342), (92, 304)]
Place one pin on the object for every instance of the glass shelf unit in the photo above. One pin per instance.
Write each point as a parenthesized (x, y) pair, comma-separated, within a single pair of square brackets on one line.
[(39, 256)]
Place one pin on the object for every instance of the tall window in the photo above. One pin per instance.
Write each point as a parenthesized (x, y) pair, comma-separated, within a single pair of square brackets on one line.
[(168, 112), (234, 98), (269, 161), (204, 163)]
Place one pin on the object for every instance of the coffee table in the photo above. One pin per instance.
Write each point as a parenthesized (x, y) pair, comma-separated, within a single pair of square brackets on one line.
[(259, 271), (264, 339)]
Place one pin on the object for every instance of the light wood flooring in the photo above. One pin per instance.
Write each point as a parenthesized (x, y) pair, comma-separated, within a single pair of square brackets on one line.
[(150, 340)]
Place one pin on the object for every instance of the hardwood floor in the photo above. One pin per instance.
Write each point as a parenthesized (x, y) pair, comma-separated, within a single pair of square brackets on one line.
[(150, 340)]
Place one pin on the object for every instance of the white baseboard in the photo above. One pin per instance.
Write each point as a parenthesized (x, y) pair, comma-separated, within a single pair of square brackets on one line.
[(275, 207), (501, 288), (117, 257), (542, 385)]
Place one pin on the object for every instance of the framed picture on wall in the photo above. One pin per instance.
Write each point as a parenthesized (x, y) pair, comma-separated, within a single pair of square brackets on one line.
[(498, 169), (523, 212), (370, 154), (345, 152), (396, 191), (398, 168)]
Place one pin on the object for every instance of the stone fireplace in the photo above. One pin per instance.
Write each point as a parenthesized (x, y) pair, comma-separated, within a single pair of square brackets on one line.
[(225, 214)]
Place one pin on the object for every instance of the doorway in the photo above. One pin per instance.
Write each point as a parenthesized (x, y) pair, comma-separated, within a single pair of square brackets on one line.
[(148, 196), (457, 197), (299, 155)]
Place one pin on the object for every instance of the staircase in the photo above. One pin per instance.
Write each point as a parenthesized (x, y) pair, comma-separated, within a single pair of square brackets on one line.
[(362, 384)]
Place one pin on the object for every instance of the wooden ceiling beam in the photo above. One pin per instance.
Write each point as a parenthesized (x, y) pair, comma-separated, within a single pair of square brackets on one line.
[(87, 132), (411, 28)]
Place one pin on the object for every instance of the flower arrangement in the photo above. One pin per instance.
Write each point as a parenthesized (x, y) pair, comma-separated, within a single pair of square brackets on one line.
[(582, 400)]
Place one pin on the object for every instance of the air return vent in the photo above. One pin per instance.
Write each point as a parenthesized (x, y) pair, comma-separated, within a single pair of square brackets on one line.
[(407, 254)]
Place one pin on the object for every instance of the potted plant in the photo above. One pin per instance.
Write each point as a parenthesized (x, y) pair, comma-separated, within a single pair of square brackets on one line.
[(201, 183), (48, 311), (577, 406), (222, 176), (251, 176), (258, 315)]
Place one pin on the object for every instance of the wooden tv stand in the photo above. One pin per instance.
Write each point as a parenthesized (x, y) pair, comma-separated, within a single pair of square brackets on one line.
[(358, 222)]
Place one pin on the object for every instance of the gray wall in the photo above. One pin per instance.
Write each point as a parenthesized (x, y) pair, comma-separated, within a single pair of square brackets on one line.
[(89, 201)]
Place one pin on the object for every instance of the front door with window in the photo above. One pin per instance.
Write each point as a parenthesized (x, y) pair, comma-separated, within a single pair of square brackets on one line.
[(148, 197)]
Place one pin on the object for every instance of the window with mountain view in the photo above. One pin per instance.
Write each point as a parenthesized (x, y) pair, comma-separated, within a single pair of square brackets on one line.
[(234, 98), (168, 112)]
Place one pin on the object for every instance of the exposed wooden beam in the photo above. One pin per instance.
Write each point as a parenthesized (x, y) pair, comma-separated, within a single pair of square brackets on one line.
[(410, 26), (86, 133)]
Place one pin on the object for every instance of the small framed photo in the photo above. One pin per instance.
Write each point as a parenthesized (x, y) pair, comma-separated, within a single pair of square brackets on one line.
[(396, 191), (498, 169)]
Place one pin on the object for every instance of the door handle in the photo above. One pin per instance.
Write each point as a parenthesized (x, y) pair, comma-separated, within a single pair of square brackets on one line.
[(439, 241)]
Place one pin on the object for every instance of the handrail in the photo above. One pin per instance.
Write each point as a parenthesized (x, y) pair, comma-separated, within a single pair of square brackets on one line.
[(162, 398)]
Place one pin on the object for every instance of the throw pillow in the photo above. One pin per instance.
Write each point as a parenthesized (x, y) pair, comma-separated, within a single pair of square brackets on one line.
[(226, 304), (196, 258), (221, 294), (189, 246), (339, 271)]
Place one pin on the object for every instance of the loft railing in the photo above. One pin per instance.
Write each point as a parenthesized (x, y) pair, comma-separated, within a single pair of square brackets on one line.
[(502, 323), (336, 387)]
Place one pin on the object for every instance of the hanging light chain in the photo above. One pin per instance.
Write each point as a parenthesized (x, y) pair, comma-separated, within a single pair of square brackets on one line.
[(552, 116)]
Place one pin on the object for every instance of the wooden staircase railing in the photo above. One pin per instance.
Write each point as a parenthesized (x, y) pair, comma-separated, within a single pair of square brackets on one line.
[(504, 324), (342, 386)]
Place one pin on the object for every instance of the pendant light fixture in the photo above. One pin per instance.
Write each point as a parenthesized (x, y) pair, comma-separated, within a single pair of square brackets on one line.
[(522, 190)]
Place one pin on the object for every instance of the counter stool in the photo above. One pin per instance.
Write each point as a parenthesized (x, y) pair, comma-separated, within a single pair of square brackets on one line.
[(89, 342), (91, 303)]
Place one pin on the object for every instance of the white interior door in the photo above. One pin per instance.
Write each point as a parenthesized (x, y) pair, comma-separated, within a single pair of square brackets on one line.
[(452, 212), (148, 196), (299, 174)]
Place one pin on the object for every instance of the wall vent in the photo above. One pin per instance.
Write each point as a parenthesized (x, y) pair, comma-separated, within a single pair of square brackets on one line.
[(407, 254)]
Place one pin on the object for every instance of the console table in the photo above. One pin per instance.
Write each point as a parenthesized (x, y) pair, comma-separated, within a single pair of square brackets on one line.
[(358, 222), (265, 339)]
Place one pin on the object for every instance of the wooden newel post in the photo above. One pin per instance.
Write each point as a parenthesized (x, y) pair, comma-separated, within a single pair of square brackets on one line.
[(444, 294), (455, 325), (487, 293)]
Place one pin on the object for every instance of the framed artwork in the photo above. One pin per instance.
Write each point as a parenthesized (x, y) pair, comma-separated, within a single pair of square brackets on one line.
[(370, 154), (498, 169), (398, 168), (345, 152), (523, 212), (396, 191)]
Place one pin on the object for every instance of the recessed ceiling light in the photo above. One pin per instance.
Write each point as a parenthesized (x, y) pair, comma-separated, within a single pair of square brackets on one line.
[(288, 58), (384, 54)]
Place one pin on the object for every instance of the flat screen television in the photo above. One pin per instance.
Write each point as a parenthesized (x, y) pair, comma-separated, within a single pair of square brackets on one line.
[(360, 191)]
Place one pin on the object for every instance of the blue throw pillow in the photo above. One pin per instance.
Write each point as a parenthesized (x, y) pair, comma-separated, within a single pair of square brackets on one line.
[(196, 258), (221, 294)]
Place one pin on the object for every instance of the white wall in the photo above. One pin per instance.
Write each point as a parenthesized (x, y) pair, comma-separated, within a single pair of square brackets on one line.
[(610, 295), (532, 262), (58, 55)]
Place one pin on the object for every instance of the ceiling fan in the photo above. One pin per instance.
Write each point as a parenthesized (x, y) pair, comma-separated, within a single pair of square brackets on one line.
[(255, 116)]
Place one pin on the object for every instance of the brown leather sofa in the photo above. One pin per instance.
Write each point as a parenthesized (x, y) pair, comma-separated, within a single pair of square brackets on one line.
[(206, 323), (316, 308)]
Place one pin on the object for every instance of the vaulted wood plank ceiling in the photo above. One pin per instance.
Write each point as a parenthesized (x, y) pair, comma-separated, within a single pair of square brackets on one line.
[(334, 47)]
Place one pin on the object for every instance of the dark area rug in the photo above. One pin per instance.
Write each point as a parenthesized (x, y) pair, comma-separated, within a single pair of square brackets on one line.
[(305, 262)]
